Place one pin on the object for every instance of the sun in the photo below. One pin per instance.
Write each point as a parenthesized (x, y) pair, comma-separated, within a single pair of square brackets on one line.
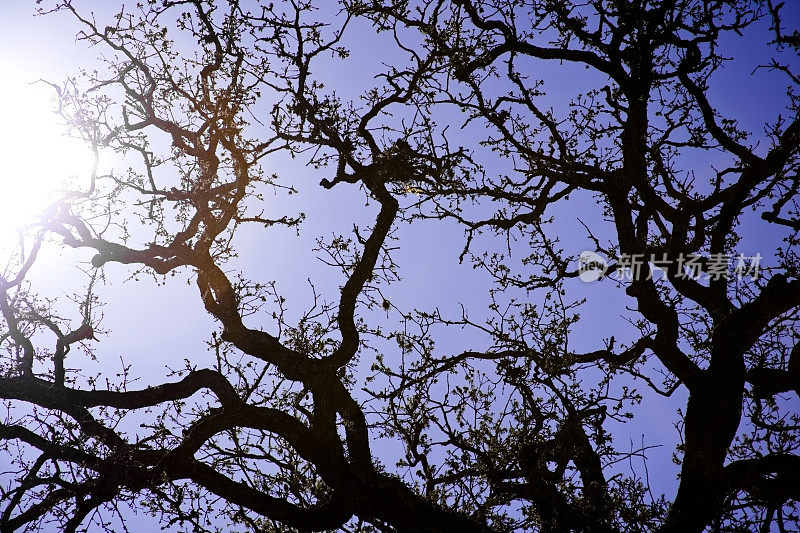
[(37, 158)]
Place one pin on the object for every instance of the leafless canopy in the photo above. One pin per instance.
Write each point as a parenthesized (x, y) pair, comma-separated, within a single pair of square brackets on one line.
[(280, 430)]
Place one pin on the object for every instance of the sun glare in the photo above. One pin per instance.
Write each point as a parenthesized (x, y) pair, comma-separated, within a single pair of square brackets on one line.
[(36, 158)]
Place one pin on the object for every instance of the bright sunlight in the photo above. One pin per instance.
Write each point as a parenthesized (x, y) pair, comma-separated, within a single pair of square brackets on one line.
[(37, 159)]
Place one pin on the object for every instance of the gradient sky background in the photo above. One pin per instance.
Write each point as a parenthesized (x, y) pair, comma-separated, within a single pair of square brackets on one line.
[(152, 327)]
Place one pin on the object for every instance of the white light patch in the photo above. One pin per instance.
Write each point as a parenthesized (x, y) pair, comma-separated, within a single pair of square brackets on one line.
[(37, 159)]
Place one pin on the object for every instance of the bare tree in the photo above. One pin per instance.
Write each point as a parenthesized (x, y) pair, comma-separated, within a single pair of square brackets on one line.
[(510, 435)]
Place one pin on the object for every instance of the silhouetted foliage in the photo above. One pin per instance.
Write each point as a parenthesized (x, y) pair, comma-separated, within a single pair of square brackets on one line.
[(202, 101)]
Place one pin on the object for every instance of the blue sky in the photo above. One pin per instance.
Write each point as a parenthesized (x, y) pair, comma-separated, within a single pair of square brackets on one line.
[(177, 326)]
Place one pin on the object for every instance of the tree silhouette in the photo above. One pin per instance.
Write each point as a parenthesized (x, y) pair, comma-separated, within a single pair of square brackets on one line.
[(200, 100)]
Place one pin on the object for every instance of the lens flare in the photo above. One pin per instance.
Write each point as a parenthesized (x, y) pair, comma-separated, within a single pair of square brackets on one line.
[(37, 158)]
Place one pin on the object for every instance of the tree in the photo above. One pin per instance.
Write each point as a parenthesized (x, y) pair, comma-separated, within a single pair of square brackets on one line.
[(278, 427)]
